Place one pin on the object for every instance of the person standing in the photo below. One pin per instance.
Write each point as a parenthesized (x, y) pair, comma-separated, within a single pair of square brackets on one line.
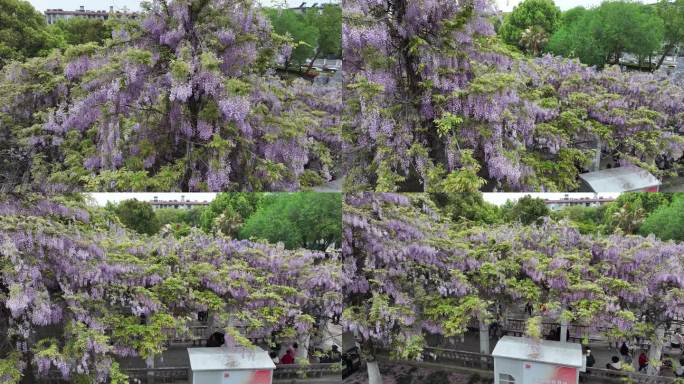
[(643, 361), (288, 358)]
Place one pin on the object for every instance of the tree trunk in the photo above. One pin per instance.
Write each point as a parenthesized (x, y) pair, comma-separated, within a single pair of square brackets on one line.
[(149, 362), (374, 376), (303, 350), (311, 63), (484, 337), (564, 331), (668, 48), (656, 351)]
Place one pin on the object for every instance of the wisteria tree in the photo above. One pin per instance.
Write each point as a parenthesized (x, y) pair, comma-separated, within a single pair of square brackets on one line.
[(400, 276), (433, 96), (408, 275), (77, 291), (185, 99)]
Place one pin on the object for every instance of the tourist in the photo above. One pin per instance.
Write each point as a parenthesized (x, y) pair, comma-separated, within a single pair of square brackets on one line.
[(288, 358), (676, 340), (590, 359), (615, 364), (274, 357), (643, 361), (624, 349), (528, 309), (216, 339), (334, 355)]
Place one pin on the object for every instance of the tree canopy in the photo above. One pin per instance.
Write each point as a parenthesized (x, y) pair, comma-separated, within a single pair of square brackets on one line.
[(23, 32), (105, 292), (183, 99), (600, 35), (410, 273), (666, 222), (138, 216), (539, 17), (445, 104), (299, 220)]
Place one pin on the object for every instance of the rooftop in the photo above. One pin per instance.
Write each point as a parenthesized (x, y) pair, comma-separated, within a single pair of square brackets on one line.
[(222, 358), (551, 352), (621, 179)]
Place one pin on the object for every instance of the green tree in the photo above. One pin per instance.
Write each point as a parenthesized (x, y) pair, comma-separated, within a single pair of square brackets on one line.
[(23, 32), (328, 21), (575, 38), (228, 211), (79, 30), (672, 14), (298, 220), (533, 39), (541, 17), (294, 24), (601, 35), (470, 207), (666, 222), (588, 220), (528, 210), (629, 210), (138, 216)]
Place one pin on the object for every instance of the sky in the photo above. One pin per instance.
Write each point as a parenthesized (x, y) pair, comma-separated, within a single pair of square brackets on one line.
[(494, 198), (134, 5)]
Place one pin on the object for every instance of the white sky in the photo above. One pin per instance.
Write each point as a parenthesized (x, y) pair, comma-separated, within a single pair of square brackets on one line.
[(102, 198), (500, 198), (134, 5), (507, 5)]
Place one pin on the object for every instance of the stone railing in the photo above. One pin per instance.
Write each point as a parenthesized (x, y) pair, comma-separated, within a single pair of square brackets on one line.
[(288, 373), (517, 327), (461, 358), (195, 335), (310, 371), (450, 358), (158, 375), (598, 375)]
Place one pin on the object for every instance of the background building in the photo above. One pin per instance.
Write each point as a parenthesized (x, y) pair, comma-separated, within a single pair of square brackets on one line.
[(182, 203), (54, 15), (568, 200)]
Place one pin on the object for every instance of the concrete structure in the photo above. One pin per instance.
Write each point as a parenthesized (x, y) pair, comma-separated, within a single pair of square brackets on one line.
[(182, 203), (54, 15), (230, 366), (302, 8), (621, 179), (568, 201), (518, 360)]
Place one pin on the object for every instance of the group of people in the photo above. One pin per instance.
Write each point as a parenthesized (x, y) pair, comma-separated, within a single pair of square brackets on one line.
[(332, 356), (616, 363), (287, 358)]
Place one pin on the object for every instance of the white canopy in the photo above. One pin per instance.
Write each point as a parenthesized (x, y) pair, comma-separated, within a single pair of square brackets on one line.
[(550, 352), (222, 359)]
